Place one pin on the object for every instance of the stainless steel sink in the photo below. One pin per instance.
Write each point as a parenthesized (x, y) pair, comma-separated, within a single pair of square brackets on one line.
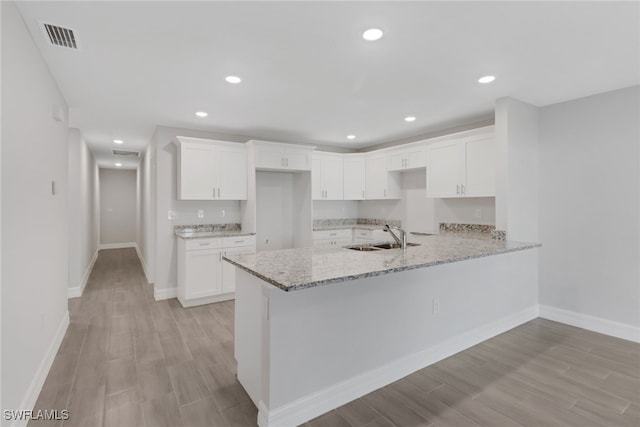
[(393, 245), (364, 248)]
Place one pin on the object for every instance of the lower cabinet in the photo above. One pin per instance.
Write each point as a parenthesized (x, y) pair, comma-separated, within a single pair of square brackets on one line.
[(203, 277), (329, 238)]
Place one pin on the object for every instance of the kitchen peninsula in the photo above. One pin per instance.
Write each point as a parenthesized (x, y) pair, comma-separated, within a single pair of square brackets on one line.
[(318, 327)]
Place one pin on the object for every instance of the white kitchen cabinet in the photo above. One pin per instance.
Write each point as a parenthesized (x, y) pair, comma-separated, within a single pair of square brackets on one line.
[(327, 177), (363, 235), (203, 277), (234, 246), (408, 157), (211, 170), (379, 182), (354, 177), (284, 157), (332, 238), (462, 168)]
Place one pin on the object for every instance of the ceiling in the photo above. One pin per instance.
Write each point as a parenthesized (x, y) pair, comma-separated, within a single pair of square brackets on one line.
[(308, 75)]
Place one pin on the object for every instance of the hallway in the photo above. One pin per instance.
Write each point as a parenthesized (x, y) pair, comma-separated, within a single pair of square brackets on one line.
[(127, 360)]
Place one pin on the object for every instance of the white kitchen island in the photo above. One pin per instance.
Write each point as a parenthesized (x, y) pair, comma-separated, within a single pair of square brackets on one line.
[(317, 328)]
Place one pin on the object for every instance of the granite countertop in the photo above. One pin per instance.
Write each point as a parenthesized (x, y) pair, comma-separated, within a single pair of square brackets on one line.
[(300, 268)]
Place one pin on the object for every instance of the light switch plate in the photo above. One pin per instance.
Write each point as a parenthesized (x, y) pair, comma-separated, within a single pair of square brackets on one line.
[(200, 213)]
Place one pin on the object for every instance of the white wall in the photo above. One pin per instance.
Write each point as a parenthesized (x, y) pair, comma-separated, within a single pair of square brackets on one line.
[(145, 238), (274, 210), (117, 206), (34, 263), (589, 206), (84, 205), (335, 209), (517, 180)]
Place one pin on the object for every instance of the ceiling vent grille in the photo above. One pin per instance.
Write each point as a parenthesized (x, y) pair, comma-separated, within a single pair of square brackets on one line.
[(126, 153), (59, 36)]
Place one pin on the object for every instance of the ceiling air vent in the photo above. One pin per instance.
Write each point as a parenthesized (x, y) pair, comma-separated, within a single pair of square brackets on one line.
[(126, 153), (59, 36)]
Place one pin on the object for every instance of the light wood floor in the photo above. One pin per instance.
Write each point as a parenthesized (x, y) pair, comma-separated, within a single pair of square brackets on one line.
[(127, 360)]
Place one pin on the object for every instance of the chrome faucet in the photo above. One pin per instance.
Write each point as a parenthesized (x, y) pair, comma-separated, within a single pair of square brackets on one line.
[(402, 240)]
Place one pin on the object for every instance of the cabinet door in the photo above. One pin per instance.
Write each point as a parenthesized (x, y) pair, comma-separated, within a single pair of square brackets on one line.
[(198, 174), (203, 273), (415, 158), (232, 179), (443, 169), (269, 158), (397, 160), (480, 168), (316, 179), (376, 177), (229, 270), (332, 178), (353, 177), (297, 160)]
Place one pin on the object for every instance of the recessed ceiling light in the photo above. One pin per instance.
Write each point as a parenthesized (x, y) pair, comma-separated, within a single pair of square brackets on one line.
[(351, 137), (201, 114), (118, 141), (233, 79), (410, 119), (118, 164), (372, 34), (486, 79)]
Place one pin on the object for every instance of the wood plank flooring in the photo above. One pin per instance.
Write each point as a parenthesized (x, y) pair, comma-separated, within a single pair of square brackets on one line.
[(128, 361)]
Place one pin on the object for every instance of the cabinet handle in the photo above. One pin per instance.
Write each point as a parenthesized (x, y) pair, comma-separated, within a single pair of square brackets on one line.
[(214, 192), (333, 234), (462, 188), (220, 256), (286, 162), (205, 244), (458, 189), (238, 241), (385, 192), (218, 192)]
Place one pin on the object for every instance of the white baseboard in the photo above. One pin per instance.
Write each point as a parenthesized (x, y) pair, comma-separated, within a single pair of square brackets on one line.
[(311, 406), (592, 323), (144, 264), (165, 293), (186, 303), (77, 291), (31, 397), (117, 245)]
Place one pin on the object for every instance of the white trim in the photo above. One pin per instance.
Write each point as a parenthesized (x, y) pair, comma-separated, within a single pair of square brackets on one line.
[(592, 323), (77, 291), (117, 245), (144, 264), (311, 406), (31, 397), (186, 303), (166, 293)]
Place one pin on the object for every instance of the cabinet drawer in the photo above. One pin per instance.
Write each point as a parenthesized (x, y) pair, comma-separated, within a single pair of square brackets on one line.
[(332, 234), (363, 234), (234, 241), (199, 244)]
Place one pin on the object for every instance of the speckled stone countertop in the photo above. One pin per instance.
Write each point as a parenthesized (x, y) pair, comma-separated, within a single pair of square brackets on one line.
[(202, 231), (301, 268)]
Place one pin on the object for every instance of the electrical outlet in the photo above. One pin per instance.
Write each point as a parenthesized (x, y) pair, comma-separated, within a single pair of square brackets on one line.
[(171, 215), (200, 213), (436, 306), (223, 213), (478, 213)]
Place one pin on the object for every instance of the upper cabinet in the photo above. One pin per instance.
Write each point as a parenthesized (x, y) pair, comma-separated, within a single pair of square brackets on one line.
[(410, 156), (211, 170), (327, 177), (379, 182), (354, 177), (464, 167), (283, 157)]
